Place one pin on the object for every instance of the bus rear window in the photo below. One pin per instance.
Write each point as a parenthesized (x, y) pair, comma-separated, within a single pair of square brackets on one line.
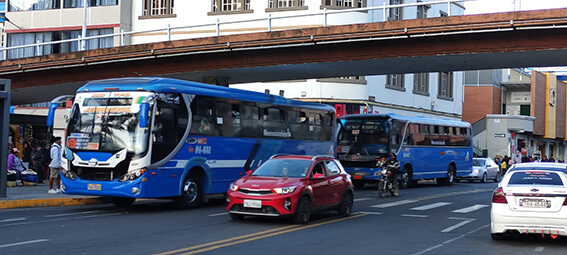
[(536, 178)]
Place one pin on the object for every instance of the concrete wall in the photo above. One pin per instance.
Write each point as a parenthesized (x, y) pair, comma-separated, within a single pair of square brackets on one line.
[(538, 102)]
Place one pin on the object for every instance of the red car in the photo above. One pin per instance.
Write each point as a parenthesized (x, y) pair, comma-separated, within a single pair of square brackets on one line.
[(292, 186)]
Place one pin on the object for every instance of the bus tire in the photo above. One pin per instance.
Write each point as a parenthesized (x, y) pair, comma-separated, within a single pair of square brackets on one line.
[(406, 178), (450, 179), (191, 192), (122, 201)]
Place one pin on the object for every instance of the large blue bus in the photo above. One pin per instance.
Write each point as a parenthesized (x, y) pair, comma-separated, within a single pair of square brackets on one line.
[(134, 138), (426, 148)]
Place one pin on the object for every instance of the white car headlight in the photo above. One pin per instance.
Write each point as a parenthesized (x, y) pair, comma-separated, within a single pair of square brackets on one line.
[(284, 190), (233, 187)]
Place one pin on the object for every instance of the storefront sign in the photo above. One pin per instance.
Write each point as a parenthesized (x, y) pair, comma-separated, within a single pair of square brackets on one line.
[(500, 135)]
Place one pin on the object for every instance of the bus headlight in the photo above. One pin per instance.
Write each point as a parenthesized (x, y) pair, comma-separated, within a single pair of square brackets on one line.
[(132, 175), (69, 174), (284, 190)]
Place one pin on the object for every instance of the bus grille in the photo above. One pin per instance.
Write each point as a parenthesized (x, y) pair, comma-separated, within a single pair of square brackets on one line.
[(101, 174)]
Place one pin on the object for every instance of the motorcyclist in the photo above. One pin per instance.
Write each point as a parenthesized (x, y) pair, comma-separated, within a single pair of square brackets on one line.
[(393, 166)]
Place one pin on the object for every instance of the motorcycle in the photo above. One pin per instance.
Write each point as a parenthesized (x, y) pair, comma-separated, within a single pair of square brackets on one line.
[(385, 184)]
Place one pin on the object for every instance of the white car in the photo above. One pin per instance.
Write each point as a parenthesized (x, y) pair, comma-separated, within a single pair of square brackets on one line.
[(483, 169), (530, 200)]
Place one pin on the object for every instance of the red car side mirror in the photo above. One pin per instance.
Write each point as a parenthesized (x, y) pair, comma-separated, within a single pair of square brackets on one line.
[(318, 176), (249, 172)]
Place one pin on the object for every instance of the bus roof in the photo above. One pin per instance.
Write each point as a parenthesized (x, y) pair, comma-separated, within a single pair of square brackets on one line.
[(411, 119), (165, 85)]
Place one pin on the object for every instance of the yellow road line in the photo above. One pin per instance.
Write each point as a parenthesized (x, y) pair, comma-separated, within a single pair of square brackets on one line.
[(253, 237)]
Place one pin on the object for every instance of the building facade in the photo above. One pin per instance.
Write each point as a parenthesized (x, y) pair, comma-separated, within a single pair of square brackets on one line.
[(514, 110)]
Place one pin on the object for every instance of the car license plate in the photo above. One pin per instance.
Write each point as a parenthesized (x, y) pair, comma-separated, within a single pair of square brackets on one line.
[(252, 203), (535, 203), (93, 186), (357, 177)]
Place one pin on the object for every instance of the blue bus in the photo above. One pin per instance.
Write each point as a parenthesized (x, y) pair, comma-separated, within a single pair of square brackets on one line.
[(150, 137), (426, 148)]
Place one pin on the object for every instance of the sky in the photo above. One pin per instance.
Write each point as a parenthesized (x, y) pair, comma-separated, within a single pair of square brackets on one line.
[(491, 6)]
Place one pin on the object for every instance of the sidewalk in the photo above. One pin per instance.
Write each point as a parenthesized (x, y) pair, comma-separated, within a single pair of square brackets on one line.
[(37, 196)]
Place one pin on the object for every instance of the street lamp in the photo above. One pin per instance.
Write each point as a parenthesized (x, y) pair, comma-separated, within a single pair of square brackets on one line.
[(3, 16)]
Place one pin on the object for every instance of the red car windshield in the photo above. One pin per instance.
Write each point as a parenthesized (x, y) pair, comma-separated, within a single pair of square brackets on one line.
[(292, 168)]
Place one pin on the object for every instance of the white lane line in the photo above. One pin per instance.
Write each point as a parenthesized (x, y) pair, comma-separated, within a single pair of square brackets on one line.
[(458, 218), (58, 219), (414, 215), (22, 243), (539, 248), (470, 209), (13, 219), (458, 225), (362, 199), (450, 240), (70, 214), (374, 213), (431, 206), (218, 214), (401, 202)]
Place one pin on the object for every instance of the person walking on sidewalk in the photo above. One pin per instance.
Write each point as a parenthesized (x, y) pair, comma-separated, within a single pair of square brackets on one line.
[(55, 166)]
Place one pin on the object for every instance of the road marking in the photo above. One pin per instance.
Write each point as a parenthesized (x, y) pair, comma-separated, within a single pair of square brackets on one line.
[(58, 219), (373, 213), (401, 202), (450, 240), (458, 218), (252, 237), (218, 214), (414, 215), (431, 206), (22, 243), (470, 209), (69, 214), (362, 199), (13, 219), (539, 248), (458, 225)]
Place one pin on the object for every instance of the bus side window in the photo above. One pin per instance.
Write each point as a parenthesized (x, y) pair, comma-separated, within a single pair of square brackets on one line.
[(250, 123), (202, 123)]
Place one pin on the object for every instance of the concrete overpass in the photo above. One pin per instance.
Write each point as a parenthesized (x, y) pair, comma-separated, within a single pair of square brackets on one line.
[(513, 39)]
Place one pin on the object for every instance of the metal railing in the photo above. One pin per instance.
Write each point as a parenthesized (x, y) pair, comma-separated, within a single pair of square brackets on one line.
[(217, 25)]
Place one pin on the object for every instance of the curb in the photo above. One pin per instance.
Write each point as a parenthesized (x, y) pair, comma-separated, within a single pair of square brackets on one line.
[(50, 202)]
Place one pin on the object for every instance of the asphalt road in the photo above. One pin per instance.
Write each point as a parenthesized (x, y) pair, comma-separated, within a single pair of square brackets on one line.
[(428, 219)]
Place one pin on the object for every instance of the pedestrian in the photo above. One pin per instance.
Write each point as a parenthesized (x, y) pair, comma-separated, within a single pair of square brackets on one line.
[(15, 164), (26, 154), (55, 166), (504, 165), (37, 162), (551, 159)]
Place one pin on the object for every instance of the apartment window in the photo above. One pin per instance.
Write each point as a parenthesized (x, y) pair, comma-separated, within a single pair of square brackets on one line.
[(158, 7), (395, 13), (443, 14), (422, 10), (445, 90), (79, 3), (421, 83), (231, 5), (343, 3), (31, 5), (395, 81), (285, 3)]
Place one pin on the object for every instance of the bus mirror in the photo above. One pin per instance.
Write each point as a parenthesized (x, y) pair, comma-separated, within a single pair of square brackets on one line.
[(51, 114), (144, 109)]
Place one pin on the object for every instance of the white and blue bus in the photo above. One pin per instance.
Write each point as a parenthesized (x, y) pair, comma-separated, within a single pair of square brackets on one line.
[(134, 138), (426, 148)]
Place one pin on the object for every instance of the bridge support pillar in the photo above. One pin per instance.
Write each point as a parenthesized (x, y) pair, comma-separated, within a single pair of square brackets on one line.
[(5, 85)]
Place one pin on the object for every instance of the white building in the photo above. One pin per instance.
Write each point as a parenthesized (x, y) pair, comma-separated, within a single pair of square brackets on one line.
[(424, 94)]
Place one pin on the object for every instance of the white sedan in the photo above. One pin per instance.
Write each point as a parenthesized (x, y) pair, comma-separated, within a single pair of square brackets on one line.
[(530, 201)]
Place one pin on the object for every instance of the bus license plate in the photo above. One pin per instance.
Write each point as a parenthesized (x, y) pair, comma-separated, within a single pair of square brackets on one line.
[(93, 186), (252, 203)]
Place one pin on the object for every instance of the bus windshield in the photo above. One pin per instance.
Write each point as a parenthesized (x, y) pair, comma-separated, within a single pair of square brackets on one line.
[(364, 137), (107, 122)]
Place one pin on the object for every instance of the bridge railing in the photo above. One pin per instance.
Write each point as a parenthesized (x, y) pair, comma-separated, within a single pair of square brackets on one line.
[(38, 46)]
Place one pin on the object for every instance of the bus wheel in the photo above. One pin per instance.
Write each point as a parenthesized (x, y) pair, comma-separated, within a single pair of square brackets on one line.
[(406, 179), (450, 179), (191, 192), (122, 201)]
